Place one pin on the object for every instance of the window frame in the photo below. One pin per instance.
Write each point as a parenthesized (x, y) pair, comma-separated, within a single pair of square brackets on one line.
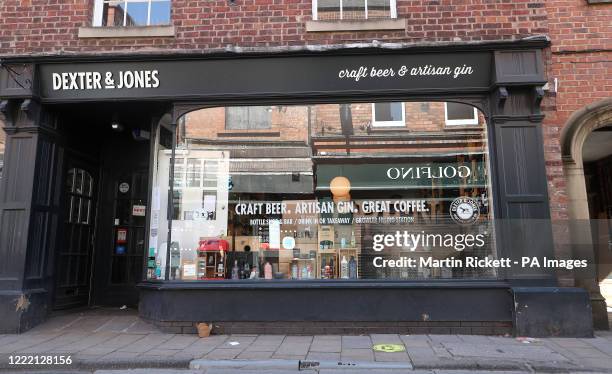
[(392, 9), (98, 14), (401, 123), (460, 122)]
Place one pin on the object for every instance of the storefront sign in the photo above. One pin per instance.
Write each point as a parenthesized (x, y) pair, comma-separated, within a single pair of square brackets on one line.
[(288, 75), (403, 176)]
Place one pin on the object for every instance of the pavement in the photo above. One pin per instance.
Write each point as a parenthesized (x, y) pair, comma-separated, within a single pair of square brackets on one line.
[(105, 341)]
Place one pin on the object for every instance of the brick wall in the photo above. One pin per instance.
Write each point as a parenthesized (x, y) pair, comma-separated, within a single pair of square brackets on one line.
[(580, 58), (291, 122), (34, 26)]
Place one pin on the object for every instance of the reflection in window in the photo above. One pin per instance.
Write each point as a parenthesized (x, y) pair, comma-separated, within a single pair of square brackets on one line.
[(327, 196), (247, 118), (460, 114), (132, 12), (388, 114), (353, 9), (2, 137)]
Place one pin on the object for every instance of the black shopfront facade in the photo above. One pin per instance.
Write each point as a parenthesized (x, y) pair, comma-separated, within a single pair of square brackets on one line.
[(81, 202)]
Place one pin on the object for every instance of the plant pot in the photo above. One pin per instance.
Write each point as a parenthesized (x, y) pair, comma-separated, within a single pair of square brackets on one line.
[(204, 329)]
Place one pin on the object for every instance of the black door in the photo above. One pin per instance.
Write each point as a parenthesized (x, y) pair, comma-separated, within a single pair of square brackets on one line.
[(120, 239), (77, 242), (127, 251)]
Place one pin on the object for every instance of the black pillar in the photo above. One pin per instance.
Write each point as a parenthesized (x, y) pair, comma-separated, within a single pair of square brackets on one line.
[(29, 204), (524, 229)]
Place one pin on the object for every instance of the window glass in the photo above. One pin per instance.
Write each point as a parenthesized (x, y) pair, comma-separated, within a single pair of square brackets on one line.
[(323, 196), (353, 9), (2, 142), (379, 8), (244, 118), (133, 12), (137, 13), (328, 9), (160, 13), (159, 245), (460, 114), (388, 114), (113, 13)]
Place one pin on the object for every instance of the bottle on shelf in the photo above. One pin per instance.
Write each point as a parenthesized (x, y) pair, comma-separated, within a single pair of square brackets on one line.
[(294, 270), (332, 269), (344, 269), (221, 268), (352, 268), (353, 239), (304, 272), (324, 269), (235, 270), (268, 271), (254, 272)]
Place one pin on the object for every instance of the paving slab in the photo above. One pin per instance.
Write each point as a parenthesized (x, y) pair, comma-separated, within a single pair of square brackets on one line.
[(356, 342), (357, 354), (223, 354), (147, 343), (525, 352), (255, 355), (391, 357)]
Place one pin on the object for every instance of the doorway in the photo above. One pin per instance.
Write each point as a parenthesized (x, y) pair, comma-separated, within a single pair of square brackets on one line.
[(597, 158), (121, 231)]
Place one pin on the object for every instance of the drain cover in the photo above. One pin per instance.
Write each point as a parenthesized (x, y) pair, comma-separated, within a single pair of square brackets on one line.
[(389, 348)]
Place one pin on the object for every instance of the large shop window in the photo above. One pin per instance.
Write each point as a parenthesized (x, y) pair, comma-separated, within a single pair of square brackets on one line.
[(112, 13), (320, 196), (2, 141), (327, 10)]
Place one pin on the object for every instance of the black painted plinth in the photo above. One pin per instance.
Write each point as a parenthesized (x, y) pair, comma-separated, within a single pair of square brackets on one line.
[(552, 311)]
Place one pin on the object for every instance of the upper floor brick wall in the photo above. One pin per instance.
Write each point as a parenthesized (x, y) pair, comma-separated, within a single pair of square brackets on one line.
[(37, 26), (576, 25)]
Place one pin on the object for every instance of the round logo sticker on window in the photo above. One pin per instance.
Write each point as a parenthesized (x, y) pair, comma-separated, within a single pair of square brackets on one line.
[(288, 242), (124, 187), (465, 210)]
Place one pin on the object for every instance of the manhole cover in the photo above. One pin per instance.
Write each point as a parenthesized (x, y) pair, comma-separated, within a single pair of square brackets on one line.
[(389, 348)]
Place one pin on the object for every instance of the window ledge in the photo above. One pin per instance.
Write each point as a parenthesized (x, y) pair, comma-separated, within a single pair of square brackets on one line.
[(364, 25), (126, 32), (599, 1)]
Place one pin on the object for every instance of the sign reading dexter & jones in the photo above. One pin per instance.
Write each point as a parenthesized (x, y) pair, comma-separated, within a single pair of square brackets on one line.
[(299, 76), (92, 80)]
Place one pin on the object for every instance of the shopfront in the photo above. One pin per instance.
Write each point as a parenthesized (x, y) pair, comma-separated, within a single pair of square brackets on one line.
[(304, 192)]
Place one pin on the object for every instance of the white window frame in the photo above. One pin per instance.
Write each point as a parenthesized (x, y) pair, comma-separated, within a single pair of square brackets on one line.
[(315, 9), (460, 122), (98, 14), (401, 123)]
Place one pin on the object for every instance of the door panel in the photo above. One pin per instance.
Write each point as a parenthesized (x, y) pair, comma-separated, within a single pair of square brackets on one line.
[(120, 235), (75, 252)]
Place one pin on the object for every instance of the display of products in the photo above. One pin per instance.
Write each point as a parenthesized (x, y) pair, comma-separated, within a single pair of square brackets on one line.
[(352, 268), (344, 268)]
